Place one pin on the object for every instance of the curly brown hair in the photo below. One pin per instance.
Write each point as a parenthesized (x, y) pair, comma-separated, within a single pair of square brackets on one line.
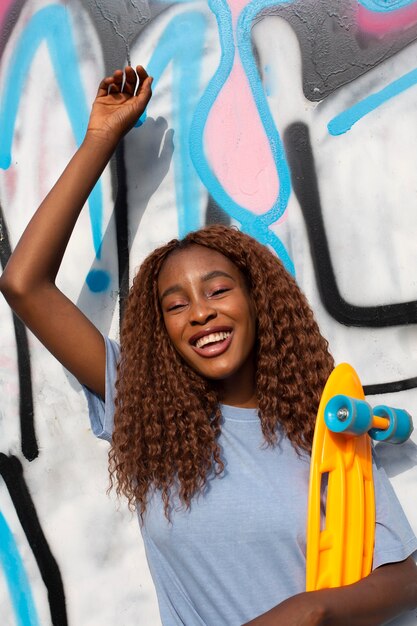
[(167, 418)]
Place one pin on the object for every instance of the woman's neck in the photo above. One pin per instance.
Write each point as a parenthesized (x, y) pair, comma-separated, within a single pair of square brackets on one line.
[(239, 389)]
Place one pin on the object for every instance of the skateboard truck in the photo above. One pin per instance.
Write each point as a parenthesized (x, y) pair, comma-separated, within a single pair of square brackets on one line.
[(352, 416)]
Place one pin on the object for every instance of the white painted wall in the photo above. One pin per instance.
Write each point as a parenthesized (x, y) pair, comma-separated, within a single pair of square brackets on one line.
[(368, 193)]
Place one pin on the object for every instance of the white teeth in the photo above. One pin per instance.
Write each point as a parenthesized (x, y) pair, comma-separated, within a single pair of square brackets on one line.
[(203, 341)]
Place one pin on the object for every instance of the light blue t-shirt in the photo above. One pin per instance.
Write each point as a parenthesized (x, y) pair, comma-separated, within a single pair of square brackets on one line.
[(240, 549)]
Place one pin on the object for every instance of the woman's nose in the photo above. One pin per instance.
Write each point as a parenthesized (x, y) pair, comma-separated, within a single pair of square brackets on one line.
[(201, 312)]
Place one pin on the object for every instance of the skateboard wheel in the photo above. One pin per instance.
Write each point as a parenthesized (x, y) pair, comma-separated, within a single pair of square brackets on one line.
[(400, 425), (348, 415)]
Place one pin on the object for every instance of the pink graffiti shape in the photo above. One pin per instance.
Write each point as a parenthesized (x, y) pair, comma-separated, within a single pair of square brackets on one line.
[(4, 9), (236, 144), (381, 23)]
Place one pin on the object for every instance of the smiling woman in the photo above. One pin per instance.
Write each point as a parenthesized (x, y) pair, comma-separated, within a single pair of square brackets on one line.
[(210, 319), (272, 358), (209, 405)]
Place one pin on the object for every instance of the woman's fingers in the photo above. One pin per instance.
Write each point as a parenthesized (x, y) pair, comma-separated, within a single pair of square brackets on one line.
[(145, 88), (103, 87), (118, 77), (145, 82), (110, 83), (118, 80), (134, 79), (142, 73), (129, 82)]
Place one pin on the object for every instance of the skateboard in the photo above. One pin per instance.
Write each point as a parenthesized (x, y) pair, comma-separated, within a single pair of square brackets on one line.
[(340, 541)]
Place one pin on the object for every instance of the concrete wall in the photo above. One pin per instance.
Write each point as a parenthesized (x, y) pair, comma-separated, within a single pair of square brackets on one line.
[(296, 120)]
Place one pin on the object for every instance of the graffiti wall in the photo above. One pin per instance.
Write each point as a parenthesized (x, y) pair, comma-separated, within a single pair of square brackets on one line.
[(295, 120)]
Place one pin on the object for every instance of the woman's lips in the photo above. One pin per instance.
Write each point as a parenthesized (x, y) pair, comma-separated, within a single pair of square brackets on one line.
[(214, 349)]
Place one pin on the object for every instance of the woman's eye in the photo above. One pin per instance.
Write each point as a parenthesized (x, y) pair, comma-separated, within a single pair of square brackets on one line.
[(175, 307), (218, 292)]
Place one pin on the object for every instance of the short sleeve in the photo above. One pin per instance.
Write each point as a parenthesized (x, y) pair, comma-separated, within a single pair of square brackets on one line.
[(101, 412), (394, 537)]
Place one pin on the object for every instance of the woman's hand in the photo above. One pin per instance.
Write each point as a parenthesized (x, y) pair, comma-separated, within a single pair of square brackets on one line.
[(119, 104)]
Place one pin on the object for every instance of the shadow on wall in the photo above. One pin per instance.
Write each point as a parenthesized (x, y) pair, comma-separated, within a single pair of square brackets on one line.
[(150, 153), (397, 459)]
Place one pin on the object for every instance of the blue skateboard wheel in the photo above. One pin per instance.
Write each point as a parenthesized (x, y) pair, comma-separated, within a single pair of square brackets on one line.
[(400, 425), (348, 415)]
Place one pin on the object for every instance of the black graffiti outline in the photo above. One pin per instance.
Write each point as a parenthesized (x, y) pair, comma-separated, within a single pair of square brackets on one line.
[(9, 22), (122, 228), (28, 442), (12, 472), (304, 181), (393, 387)]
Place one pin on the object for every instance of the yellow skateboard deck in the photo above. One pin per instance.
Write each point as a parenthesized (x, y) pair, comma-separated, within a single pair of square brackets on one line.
[(340, 548)]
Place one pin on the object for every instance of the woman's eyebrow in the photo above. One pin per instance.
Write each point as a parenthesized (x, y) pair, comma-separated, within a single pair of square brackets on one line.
[(205, 278), (167, 292), (215, 274)]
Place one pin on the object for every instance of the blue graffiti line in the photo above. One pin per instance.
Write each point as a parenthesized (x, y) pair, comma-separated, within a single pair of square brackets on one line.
[(50, 24), (257, 226), (385, 6), (345, 120), (16, 578), (182, 43), (244, 43)]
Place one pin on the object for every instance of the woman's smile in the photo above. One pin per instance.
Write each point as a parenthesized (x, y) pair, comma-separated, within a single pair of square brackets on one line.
[(209, 315), (212, 341)]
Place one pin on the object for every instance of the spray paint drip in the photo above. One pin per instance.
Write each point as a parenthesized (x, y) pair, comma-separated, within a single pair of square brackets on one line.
[(125, 19), (98, 280)]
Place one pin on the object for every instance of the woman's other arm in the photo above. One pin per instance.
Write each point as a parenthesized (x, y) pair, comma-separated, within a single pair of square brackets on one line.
[(386, 593), (28, 281)]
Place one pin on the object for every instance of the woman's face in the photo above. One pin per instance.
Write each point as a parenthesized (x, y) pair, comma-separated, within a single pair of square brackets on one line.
[(209, 315)]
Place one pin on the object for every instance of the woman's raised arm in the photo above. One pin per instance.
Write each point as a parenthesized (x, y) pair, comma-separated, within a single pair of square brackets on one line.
[(28, 281)]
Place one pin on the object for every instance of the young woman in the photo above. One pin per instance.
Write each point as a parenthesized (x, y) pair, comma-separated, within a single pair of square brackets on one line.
[(218, 380)]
